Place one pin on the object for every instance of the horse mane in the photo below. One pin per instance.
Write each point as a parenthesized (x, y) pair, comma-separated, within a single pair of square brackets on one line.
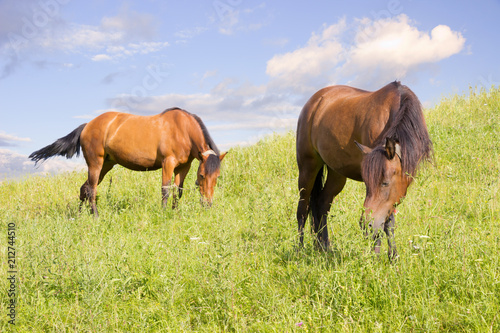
[(409, 129), (206, 135), (212, 163)]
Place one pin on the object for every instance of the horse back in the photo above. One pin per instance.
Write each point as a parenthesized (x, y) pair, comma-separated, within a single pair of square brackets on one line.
[(336, 116), (138, 142)]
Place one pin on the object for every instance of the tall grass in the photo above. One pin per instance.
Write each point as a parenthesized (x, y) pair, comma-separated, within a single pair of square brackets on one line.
[(235, 267)]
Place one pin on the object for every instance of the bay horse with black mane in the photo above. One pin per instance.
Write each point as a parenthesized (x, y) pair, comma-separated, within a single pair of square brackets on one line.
[(170, 140), (377, 137)]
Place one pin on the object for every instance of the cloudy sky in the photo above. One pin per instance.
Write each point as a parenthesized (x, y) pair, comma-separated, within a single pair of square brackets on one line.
[(245, 67)]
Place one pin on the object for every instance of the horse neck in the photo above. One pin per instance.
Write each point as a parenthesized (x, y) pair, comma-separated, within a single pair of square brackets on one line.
[(383, 115), (198, 143)]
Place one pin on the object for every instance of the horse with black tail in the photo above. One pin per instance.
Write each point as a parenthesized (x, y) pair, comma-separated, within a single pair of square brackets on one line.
[(169, 141), (377, 137)]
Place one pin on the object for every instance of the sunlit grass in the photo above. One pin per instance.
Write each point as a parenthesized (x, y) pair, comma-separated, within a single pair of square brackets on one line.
[(235, 267)]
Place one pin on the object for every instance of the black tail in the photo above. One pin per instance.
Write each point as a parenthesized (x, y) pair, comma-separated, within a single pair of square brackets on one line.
[(65, 146)]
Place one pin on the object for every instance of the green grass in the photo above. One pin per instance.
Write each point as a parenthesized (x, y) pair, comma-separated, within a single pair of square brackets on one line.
[(235, 267)]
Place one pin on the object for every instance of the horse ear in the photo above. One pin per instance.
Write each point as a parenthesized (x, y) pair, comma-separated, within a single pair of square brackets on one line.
[(390, 148), (364, 149), (221, 156)]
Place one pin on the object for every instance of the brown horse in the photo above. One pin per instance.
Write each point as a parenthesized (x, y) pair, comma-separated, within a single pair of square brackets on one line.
[(169, 140), (335, 130)]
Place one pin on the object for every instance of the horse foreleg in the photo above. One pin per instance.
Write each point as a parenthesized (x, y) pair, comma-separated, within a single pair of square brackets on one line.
[(168, 167), (363, 225), (366, 226), (180, 175), (389, 227), (377, 243)]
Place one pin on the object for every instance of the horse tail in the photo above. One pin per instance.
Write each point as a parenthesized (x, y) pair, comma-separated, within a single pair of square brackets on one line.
[(314, 198), (66, 146)]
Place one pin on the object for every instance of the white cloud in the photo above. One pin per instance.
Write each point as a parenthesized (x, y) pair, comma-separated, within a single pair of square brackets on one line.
[(73, 38), (190, 33), (315, 62), (231, 17), (101, 57), (156, 104), (269, 123), (126, 34), (132, 24), (114, 43), (393, 48), (125, 28), (8, 140), (382, 51), (245, 105), (14, 165), (147, 47), (118, 52), (209, 74)]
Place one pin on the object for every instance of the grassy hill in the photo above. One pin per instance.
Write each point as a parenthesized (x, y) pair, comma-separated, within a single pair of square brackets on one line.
[(234, 267)]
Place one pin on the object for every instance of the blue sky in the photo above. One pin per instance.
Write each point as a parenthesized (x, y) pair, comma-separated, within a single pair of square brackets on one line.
[(246, 68)]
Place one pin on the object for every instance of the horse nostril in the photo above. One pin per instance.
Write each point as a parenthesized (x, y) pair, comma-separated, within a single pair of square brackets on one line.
[(370, 224)]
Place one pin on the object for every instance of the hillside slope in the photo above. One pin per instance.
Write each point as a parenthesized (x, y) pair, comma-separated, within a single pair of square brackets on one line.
[(235, 267)]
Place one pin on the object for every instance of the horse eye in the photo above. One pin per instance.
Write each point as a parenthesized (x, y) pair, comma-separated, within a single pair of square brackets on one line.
[(385, 184)]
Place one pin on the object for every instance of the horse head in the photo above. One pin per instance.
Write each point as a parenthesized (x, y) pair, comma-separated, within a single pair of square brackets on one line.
[(208, 172), (386, 184)]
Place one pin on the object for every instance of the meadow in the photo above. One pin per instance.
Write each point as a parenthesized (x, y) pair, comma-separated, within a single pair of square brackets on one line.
[(236, 267)]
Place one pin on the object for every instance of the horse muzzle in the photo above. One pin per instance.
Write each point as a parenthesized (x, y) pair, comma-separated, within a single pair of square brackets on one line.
[(369, 221), (207, 203)]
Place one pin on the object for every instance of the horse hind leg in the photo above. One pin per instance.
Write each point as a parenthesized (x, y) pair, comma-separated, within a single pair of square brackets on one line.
[(307, 173), (322, 198), (88, 191), (84, 193)]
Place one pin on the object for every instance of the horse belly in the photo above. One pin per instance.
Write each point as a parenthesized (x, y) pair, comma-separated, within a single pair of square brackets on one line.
[(134, 151), (333, 141), (343, 160), (134, 160)]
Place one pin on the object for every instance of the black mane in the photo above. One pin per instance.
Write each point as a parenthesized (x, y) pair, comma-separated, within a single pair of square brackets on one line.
[(204, 129), (212, 163), (408, 128)]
